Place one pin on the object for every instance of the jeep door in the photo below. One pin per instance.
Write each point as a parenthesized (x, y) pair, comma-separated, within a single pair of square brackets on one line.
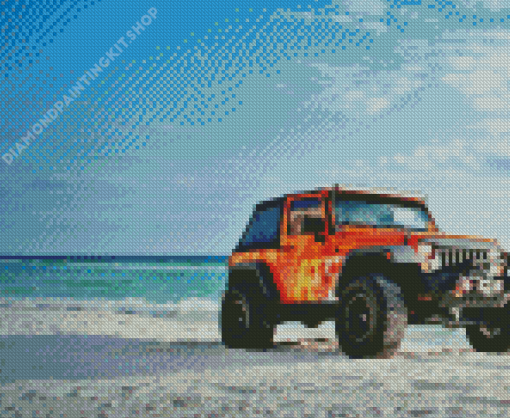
[(304, 237)]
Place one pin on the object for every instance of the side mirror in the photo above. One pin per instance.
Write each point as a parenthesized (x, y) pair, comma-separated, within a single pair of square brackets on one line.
[(314, 226)]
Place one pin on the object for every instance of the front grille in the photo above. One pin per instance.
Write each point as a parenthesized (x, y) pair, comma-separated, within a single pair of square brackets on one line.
[(451, 257)]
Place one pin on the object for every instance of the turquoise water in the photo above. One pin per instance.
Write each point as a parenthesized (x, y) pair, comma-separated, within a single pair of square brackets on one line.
[(157, 279)]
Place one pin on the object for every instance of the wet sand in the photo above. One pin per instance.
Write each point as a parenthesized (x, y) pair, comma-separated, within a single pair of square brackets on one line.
[(100, 363)]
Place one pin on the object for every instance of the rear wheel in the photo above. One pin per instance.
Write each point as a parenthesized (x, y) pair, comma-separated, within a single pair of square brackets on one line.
[(491, 337), (246, 319), (372, 317)]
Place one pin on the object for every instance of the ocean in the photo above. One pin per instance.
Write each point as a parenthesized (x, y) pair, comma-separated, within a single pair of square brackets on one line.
[(156, 279)]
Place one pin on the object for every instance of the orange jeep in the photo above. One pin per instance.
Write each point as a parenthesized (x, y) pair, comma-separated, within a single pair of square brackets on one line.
[(371, 262)]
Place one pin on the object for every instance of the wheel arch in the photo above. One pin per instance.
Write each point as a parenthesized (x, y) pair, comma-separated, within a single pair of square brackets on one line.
[(254, 274), (378, 260)]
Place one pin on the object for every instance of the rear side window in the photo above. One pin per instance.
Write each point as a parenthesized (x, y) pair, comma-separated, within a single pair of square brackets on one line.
[(263, 230), (306, 204), (301, 209)]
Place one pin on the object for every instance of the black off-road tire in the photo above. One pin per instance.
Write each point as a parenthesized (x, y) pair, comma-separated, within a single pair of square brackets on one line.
[(371, 318), (493, 337), (246, 318)]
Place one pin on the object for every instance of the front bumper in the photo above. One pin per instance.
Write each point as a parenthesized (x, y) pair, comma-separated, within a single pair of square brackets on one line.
[(472, 310), (476, 300), (476, 290)]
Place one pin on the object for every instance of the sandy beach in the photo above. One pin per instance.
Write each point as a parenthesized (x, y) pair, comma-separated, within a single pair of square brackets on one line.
[(67, 360)]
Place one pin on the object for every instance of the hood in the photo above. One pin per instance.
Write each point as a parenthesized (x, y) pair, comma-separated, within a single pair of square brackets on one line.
[(468, 242)]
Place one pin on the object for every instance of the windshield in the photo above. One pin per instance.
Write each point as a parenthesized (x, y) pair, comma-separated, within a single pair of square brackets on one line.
[(263, 230), (382, 215)]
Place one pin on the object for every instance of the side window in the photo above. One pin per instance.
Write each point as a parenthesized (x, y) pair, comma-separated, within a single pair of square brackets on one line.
[(263, 231), (307, 208)]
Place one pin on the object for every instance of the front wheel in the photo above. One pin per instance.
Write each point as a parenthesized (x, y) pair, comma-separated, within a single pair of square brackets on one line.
[(372, 317)]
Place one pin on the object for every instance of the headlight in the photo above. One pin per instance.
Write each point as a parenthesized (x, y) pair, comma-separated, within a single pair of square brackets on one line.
[(426, 253), (425, 250), (498, 285), (497, 266), (496, 270)]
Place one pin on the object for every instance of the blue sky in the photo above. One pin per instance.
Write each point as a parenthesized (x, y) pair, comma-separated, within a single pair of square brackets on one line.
[(215, 106)]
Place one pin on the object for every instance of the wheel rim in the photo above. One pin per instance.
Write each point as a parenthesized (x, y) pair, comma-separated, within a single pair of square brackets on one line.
[(359, 317), (238, 314), (490, 332)]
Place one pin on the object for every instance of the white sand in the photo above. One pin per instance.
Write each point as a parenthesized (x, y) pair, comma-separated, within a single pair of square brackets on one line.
[(174, 366)]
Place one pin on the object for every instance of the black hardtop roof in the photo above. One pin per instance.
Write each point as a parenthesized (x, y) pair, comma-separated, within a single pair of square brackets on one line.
[(341, 191)]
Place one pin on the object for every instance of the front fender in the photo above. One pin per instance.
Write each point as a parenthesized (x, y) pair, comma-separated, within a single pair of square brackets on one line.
[(401, 270), (254, 274)]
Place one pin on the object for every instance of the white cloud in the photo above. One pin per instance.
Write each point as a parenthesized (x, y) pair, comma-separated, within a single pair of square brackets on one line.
[(354, 95), (373, 7), (403, 85), (341, 18), (491, 103), (359, 92), (462, 63), (496, 5), (379, 27), (493, 58), (457, 154), (377, 104), (495, 126), (483, 74), (496, 141), (477, 82), (495, 147)]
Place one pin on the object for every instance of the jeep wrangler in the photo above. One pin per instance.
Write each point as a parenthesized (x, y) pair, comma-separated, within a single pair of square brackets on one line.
[(372, 262)]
